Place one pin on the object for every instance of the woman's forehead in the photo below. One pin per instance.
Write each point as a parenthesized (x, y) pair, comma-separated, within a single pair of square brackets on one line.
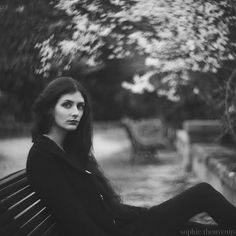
[(74, 96)]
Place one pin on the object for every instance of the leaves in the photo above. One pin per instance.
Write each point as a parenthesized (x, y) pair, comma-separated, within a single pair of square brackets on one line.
[(196, 33)]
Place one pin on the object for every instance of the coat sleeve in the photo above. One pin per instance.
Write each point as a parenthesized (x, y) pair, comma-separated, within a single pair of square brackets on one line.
[(45, 174)]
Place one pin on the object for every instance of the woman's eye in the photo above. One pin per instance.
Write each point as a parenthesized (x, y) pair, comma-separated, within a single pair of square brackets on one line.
[(80, 107), (66, 105)]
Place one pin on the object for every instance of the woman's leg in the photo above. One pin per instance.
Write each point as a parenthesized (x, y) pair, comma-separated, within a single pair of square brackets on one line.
[(175, 213), (204, 198)]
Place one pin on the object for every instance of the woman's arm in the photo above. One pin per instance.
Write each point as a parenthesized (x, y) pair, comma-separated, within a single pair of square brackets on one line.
[(46, 176)]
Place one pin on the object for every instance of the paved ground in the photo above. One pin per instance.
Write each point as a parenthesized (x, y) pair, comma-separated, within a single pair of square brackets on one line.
[(140, 185), (13, 153)]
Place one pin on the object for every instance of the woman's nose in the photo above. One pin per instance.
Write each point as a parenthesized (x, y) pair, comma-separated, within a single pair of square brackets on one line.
[(75, 111)]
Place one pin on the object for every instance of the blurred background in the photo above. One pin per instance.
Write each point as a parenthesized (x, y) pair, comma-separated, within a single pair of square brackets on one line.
[(141, 61)]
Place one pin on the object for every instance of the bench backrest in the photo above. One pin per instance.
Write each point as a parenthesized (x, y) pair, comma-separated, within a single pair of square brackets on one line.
[(148, 132), (21, 210)]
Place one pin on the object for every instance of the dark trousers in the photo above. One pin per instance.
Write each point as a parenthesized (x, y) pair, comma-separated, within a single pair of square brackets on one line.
[(171, 218)]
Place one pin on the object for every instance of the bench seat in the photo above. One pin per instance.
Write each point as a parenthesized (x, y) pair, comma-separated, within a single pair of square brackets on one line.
[(22, 212)]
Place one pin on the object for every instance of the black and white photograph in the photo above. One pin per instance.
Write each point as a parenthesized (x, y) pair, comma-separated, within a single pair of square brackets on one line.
[(117, 117)]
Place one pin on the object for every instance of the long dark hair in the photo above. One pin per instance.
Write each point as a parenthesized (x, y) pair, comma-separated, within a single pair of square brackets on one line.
[(78, 143)]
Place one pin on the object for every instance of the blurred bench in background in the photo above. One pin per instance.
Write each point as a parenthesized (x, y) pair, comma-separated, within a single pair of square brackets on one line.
[(21, 210), (147, 138), (198, 145)]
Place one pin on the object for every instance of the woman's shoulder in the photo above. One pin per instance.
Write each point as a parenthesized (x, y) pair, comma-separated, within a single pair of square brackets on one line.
[(41, 147), (37, 149), (41, 154)]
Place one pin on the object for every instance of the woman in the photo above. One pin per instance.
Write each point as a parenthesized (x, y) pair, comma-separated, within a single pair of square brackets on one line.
[(64, 172)]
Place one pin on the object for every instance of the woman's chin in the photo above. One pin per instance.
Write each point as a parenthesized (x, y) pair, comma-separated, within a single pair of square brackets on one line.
[(71, 127)]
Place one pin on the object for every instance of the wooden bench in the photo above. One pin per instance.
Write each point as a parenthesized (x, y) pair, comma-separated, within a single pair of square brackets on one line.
[(21, 210), (146, 137)]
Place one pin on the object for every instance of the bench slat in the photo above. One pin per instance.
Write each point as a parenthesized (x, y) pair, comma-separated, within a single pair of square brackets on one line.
[(43, 227), (13, 187), (22, 212), (23, 216), (20, 206), (12, 178), (26, 228), (15, 197), (35, 222)]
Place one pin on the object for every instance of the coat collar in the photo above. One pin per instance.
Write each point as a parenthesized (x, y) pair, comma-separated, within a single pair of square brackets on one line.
[(46, 143)]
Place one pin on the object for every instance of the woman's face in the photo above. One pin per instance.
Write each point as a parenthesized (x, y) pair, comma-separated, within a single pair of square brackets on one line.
[(68, 111)]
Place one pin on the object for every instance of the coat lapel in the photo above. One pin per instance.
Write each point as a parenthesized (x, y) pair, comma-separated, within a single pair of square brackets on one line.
[(53, 148)]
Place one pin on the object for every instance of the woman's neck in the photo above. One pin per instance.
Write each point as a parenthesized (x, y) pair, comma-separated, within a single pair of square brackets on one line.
[(57, 136)]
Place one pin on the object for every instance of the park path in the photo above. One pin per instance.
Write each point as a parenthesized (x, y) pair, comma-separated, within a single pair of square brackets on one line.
[(140, 185)]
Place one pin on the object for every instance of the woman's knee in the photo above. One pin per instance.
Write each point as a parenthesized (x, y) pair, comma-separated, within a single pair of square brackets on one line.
[(205, 187)]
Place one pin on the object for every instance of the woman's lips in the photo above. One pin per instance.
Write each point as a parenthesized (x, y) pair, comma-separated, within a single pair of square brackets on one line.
[(73, 122)]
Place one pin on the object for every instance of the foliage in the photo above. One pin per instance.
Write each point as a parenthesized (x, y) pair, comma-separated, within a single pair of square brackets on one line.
[(22, 25), (175, 39), (174, 36), (110, 101)]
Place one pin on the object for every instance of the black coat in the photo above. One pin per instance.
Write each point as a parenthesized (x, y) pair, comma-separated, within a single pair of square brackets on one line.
[(72, 195)]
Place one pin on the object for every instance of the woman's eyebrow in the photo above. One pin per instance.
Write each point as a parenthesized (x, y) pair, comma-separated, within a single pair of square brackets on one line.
[(81, 103), (68, 100)]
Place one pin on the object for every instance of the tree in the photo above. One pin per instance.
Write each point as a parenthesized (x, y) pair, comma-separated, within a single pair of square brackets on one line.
[(22, 25), (178, 40), (174, 36)]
